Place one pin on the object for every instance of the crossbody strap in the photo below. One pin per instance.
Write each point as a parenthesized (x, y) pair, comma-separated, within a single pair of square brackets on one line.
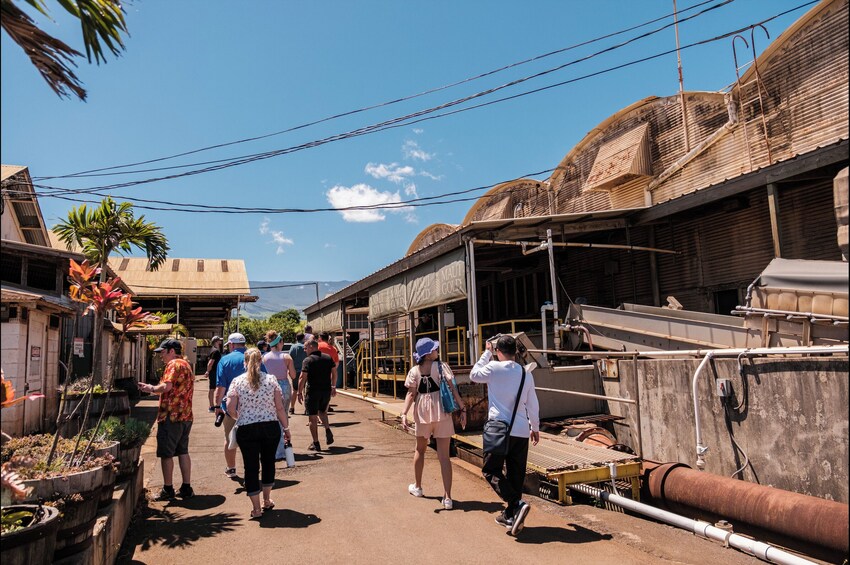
[(516, 404)]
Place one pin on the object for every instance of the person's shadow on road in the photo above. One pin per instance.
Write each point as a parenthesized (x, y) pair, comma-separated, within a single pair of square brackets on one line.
[(548, 534), (339, 450), (278, 484), (468, 505), (284, 518), (198, 502)]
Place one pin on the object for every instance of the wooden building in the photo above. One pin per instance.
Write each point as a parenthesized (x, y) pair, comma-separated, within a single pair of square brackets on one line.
[(34, 304), (200, 292)]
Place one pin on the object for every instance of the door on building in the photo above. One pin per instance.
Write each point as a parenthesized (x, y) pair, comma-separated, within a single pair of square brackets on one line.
[(36, 358)]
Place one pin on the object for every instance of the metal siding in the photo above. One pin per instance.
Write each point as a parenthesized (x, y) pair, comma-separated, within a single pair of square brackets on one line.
[(807, 222), (806, 107)]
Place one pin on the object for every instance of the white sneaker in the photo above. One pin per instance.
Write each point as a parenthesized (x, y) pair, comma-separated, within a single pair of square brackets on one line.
[(447, 503), (414, 490)]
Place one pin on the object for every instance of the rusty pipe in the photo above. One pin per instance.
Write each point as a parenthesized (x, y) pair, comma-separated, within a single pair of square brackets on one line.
[(807, 518), (763, 551)]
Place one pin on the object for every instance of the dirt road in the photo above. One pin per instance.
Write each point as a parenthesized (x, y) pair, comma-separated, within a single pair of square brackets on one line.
[(350, 504)]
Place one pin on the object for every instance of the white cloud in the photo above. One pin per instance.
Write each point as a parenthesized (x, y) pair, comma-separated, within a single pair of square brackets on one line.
[(430, 175), (364, 195), (412, 150), (330, 246), (418, 131), (392, 172), (410, 190), (277, 236)]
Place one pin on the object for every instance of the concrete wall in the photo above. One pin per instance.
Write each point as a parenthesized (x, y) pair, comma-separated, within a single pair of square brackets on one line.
[(12, 349), (788, 415)]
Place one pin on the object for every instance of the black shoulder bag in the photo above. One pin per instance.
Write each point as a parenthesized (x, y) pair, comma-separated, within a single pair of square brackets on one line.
[(496, 432)]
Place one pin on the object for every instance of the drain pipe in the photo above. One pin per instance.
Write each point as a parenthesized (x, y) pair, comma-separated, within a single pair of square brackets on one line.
[(712, 353), (763, 551)]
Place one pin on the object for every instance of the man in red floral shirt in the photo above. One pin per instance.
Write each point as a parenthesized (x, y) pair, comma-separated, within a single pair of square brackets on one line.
[(174, 419)]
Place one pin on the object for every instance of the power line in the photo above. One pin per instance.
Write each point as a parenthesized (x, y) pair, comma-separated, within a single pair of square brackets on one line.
[(383, 104), (402, 121), (412, 203)]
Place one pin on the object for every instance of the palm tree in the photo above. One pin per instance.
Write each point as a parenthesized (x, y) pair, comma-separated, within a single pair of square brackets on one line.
[(101, 23), (110, 227)]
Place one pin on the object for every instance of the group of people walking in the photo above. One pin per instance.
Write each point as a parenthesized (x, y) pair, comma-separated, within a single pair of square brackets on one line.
[(255, 393)]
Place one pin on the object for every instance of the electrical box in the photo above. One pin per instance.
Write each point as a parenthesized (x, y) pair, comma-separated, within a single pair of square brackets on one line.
[(724, 388)]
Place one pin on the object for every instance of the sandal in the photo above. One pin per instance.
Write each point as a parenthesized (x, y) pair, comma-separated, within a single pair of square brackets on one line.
[(256, 513), (268, 505)]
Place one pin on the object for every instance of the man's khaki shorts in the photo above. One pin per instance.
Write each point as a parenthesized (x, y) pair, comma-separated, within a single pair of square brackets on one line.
[(228, 425)]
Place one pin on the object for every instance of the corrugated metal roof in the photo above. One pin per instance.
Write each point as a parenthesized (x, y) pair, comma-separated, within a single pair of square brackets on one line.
[(7, 171), (153, 329), (11, 296), (183, 277)]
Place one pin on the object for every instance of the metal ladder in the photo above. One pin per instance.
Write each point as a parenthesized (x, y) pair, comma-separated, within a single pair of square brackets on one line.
[(755, 92)]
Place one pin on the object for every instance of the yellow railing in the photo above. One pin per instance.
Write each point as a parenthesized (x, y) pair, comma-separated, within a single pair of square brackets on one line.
[(488, 330), (393, 358)]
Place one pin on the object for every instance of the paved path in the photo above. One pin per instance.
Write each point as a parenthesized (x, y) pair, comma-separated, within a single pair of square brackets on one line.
[(350, 504)]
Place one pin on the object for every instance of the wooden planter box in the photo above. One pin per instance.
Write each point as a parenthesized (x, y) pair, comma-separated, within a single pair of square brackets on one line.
[(34, 543), (117, 404)]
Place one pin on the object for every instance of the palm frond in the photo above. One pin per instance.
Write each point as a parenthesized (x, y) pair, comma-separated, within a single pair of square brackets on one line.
[(50, 56)]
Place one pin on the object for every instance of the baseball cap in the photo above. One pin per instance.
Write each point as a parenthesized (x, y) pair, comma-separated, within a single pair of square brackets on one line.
[(236, 338), (215, 339), (170, 344)]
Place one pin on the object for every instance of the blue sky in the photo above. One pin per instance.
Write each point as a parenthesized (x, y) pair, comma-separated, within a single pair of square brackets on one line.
[(202, 73)]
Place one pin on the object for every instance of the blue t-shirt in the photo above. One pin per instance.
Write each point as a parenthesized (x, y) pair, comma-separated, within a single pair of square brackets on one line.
[(298, 354), (231, 366)]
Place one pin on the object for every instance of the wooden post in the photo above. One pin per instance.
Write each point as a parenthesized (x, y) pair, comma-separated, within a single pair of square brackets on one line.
[(775, 231)]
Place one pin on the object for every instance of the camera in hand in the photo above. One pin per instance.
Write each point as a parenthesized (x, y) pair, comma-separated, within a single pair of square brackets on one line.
[(219, 418)]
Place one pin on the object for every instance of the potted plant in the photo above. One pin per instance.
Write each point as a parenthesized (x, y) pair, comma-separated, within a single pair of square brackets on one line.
[(28, 532), (129, 436)]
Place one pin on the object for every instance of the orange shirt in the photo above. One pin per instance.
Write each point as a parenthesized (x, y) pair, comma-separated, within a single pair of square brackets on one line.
[(326, 347), (176, 404)]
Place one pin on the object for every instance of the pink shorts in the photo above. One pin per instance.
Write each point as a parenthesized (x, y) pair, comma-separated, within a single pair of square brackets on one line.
[(442, 429)]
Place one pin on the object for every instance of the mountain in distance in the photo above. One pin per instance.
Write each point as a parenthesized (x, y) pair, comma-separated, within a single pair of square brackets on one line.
[(287, 294)]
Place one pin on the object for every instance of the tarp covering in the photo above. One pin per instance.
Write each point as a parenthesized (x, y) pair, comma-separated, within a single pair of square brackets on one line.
[(800, 274), (440, 281), (328, 319)]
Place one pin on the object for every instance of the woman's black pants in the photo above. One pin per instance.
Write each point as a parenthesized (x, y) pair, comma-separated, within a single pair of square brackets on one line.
[(258, 444)]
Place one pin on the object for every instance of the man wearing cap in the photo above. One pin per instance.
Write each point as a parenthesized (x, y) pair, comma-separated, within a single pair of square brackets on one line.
[(510, 390), (212, 365), (174, 418), (231, 366)]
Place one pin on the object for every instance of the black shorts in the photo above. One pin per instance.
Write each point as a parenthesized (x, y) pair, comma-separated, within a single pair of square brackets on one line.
[(172, 438), (212, 382), (317, 401)]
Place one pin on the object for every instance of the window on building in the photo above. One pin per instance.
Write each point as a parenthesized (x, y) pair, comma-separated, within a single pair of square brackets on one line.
[(10, 268), (41, 275)]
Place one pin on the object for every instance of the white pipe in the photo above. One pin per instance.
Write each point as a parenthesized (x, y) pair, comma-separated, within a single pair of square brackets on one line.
[(472, 298), (763, 551), (556, 336), (543, 309), (700, 448), (820, 350)]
